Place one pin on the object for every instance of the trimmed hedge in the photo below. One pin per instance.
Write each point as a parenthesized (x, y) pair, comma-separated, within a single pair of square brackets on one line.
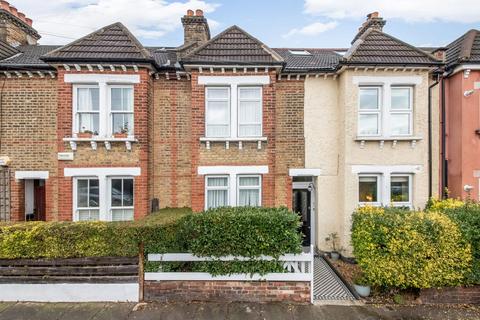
[(409, 249)]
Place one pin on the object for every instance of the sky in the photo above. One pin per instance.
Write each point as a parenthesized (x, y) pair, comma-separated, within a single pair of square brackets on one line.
[(278, 23)]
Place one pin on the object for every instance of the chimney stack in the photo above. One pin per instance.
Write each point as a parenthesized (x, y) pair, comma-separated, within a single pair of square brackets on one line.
[(15, 28), (195, 28), (374, 21)]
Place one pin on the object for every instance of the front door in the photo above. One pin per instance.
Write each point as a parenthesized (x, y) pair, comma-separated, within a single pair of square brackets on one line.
[(39, 200), (302, 204)]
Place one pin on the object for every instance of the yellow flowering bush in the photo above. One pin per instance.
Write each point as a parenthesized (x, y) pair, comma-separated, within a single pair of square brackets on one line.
[(442, 205), (409, 249)]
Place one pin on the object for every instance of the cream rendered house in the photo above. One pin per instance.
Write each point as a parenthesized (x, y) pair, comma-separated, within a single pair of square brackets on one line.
[(367, 130)]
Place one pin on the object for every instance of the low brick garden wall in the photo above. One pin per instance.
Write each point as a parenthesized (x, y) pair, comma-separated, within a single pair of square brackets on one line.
[(226, 291), (456, 295)]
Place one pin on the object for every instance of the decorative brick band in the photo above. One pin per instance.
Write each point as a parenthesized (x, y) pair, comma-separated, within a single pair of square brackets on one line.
[(227, 291), (455, 295)]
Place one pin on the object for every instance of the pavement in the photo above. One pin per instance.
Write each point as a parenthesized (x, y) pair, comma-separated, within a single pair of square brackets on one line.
[(230, 311)]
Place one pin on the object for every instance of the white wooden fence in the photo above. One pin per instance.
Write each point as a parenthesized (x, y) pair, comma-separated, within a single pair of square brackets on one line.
[(299, 267)]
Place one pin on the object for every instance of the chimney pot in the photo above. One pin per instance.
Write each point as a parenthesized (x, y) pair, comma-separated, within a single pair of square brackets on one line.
[(21, 15), (199, 13), (189, 12), (29, 21), (14, 11), (4, 5), (374, 14)]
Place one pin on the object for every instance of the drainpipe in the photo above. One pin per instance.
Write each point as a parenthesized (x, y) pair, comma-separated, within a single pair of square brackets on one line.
[(430, 183), (444, 184)]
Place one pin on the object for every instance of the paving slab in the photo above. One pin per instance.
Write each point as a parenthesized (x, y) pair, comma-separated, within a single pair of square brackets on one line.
[(114, 311), (208, 311), (81, 311), (165, 312), (5, 305), (273, 311), (244, 311)]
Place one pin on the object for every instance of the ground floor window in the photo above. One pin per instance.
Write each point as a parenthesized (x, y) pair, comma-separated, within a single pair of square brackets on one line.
[(381, 189), (221, 190), (106, 198), (88, 202)]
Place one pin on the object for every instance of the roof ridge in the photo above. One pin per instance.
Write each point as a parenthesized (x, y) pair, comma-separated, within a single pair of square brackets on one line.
[(467, 45)]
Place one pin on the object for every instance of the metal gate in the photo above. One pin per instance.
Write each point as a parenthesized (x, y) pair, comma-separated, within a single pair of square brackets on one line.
[(4, 194)]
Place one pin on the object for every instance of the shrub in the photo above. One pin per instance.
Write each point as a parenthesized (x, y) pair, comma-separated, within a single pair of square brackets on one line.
[(467, 217), (434, 204), (409, 249), (88, 239)]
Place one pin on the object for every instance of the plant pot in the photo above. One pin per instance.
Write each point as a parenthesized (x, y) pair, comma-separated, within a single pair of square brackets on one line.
[(363, 291), (84, 135), (334, 255), (120, 135)]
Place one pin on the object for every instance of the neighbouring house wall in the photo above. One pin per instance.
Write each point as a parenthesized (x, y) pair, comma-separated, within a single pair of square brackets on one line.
[(331, 111), (28, 136), (463, 144), (118, 156)]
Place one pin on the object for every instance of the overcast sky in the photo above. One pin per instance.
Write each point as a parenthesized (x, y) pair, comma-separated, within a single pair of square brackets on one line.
[(278, 23)]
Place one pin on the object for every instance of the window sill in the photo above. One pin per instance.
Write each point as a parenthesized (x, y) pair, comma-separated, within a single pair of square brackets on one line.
[(107, 141), (394, 140), (240, 141)]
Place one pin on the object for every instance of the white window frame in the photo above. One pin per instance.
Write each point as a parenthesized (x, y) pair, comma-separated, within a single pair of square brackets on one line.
[(409, 203), (379, 177), (377, 111), (75, 111), (76, 208), (111, 112), (260, 100), (227, 187), (109, 196), (259, 187), (229, 100), (408, 111)]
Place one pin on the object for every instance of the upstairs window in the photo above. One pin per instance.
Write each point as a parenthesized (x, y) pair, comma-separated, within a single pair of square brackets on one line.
[(249, 111), (385, 111), (233, 112), (121, 106), (218, 112), (87, 109)]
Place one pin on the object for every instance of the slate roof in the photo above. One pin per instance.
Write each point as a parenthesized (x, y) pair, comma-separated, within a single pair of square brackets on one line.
[(28, 57), (6, 50), (233, 46), (164, 57), (113, 43), (378, 48), (317, 59), (465, 49)]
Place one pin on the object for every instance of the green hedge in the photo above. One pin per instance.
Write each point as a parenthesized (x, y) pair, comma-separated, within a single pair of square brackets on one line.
[(467, 217), (409, 249)]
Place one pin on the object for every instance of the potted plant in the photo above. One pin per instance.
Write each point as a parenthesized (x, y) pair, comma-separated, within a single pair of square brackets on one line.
[(122, 132), (361, 285), (85, 133), (332, 239)]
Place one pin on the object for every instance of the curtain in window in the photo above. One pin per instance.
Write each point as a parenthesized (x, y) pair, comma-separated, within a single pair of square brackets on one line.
[(250, 112), (218, 112), (217, 192), (249, 192), (87, 109)]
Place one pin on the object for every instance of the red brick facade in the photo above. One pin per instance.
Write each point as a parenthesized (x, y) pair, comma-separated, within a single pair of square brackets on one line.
[(456, 295), (227, 291)]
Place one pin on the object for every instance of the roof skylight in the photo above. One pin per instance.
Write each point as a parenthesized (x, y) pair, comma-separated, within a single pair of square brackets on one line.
[(300, 52)]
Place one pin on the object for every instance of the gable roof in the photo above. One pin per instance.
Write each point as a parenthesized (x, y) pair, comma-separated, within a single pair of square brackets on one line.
[(375, 47), (465, 49), (314, 59), (113, 43), (233, 46)]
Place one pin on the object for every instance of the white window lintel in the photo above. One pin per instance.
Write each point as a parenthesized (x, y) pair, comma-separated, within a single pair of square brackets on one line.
[(102, 78), (31, 175), (386, 169), (304, 172), (232, 170), (233, 80), (393, 80), (101, 172)]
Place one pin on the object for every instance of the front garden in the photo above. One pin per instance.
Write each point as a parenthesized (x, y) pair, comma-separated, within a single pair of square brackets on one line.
[(399, 252)]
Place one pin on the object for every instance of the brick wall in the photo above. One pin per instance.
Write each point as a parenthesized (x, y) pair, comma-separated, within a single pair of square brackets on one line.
[(456, 295), (118, 156), (227, 291), (28, 135)]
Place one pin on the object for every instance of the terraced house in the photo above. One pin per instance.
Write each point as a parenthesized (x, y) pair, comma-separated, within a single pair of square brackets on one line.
[(104, 128)]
